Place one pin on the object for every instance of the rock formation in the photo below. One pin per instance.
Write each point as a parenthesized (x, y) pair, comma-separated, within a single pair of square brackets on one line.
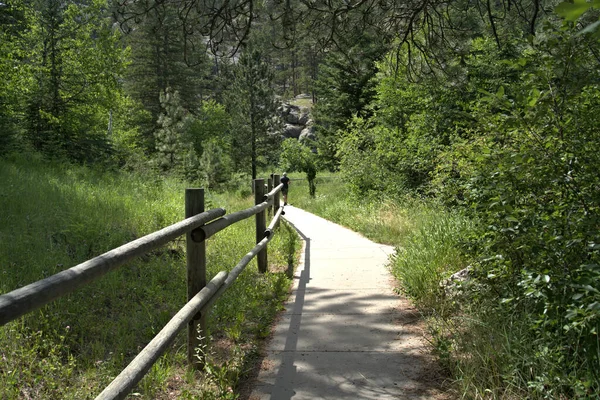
[(297, 120)]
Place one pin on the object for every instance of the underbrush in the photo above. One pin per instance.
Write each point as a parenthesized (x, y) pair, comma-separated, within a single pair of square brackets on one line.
[(55, 216), (492, 347)]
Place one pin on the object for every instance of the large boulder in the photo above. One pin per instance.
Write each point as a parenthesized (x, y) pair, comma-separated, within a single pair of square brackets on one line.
[(296, 115), (292, 131), (297, 120), (307, 133), (304, 116)]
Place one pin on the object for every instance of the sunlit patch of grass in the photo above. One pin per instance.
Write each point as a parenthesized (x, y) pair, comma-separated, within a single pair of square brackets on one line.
[(429, 253), (303, 102), (55, 216), (385, 221)]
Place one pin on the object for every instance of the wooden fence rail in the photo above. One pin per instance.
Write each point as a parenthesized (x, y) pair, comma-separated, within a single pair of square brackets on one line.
[(28, 298), (198, 226)]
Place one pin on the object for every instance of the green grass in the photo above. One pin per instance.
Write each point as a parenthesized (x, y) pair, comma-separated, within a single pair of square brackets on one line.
[(303, 102), (426, 236), (488, 351), (383, 222), (55, 216)]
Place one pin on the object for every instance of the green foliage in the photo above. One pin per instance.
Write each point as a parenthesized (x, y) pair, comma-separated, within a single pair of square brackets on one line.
[(296, 156), (12, 25), (504, 133), (514, 146), (75, 62), (74, 346), (344, 88), (173, 148), (161, 58), (430, 253), (210, 135), (376, 159), (210, 125), (572, 11), (252, 106)]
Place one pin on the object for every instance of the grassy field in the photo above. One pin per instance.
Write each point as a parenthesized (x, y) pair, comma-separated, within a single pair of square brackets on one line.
[(55, 216)]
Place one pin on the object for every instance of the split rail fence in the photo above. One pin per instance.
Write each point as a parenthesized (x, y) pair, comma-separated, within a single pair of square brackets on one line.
[(198, 226)]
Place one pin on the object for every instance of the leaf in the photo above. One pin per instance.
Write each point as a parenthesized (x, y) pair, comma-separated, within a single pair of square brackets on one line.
[(590, 288), (594, 306), (589, 29), (590, 267), (534, 97), (500, 92), (571, 314), (572, 11)]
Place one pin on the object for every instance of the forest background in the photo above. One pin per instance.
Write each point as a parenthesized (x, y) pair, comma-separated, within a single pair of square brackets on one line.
[(484, 111)]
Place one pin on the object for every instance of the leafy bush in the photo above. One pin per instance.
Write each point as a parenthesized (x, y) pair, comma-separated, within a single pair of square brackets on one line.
[(514, 147)]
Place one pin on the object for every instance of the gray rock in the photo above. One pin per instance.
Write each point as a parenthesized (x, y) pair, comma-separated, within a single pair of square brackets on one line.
[(307, 133), (292, 131), (452, 285), (304, 118), (292, 118)]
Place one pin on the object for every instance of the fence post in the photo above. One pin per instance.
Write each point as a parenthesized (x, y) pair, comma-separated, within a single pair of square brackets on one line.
[(196, 276), (261, 224), (276, 183), (269, 188)]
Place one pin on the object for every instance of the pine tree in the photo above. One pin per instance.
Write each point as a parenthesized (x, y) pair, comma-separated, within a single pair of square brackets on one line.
[(76, 62), (344, 88), (253, 106), (161, 60), (172, 146)]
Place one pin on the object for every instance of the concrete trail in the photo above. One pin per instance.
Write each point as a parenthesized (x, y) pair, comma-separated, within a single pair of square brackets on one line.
[(344, 333)]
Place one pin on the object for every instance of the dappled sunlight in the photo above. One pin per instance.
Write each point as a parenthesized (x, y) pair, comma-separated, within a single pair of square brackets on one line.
[(345, 334)]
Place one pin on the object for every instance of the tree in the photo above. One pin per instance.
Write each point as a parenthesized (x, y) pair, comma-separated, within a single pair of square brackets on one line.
[(211, 136), (173, 147), (161, 60), (12, 73), (344, 88), (76, 61), (298, 157), (253, 106)]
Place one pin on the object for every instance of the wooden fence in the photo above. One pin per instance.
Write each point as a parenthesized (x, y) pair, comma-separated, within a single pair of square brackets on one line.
[(198, 226)]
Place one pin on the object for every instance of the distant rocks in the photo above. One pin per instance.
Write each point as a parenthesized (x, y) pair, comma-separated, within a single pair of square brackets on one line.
[(292, 131), (307, 133), (298, 123)]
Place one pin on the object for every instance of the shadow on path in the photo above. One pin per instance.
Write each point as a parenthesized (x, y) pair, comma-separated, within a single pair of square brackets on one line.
[(345, 334), (287, 370)]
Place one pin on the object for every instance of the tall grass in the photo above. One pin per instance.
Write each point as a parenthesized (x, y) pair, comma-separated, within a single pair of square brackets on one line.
[(484, 349), (383, 221), (430, 253), (55, 216)]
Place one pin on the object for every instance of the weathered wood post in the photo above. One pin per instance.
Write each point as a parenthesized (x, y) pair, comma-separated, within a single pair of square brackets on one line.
[(269, 188), (276, 183), (196, 276), (261, 224)]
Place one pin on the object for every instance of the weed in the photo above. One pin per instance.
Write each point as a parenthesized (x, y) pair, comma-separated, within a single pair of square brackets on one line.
[(56, 216)]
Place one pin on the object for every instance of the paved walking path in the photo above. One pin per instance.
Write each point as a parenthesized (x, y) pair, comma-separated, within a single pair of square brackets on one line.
[(345, 334)]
